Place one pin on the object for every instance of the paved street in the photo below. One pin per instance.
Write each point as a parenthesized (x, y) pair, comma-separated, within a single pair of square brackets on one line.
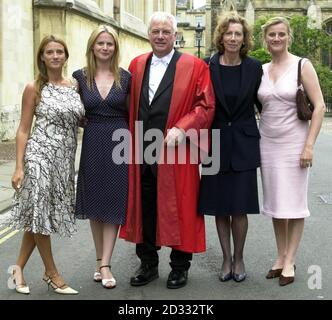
[(75, 257)]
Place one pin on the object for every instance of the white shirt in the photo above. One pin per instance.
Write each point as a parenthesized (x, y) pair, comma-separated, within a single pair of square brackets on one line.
[(157, 70)]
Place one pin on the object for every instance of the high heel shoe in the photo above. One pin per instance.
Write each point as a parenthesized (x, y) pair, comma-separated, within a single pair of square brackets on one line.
[(284, 281), (273, 273), (20, 285), (239, 277), (97, 275), (108, 283), (225, 277), (58, 285)]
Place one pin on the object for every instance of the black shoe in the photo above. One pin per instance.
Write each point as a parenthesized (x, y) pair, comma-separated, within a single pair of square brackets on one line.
[(144, 275), (239, 277), (225, 277), (177, 279)]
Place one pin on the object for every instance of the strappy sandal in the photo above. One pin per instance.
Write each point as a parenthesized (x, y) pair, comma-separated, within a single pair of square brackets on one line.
[(97, 275), (58, 285), (108, 283)]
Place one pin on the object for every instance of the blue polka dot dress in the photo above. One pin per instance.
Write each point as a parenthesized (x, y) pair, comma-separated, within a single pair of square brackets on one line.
[(102, 185)]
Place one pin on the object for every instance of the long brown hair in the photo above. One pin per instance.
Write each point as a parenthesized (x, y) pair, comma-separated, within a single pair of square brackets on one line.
[(91, 66), (42, 76)]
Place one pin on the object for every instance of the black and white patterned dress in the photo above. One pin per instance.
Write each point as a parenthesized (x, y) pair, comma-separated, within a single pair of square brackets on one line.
[(45, 203)]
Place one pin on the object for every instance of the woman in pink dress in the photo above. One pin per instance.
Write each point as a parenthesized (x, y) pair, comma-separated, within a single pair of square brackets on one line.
[(286, 144)]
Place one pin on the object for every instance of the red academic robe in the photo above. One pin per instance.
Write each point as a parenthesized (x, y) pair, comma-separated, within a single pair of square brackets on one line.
[(179, 225)]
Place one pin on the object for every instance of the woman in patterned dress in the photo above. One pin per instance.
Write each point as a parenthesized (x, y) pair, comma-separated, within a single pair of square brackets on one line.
[(286, 145), (102, 185), (44, 174)]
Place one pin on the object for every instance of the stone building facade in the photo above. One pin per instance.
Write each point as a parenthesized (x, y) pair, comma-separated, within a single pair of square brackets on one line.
[(24, 22), (188, 19), (319, 11)]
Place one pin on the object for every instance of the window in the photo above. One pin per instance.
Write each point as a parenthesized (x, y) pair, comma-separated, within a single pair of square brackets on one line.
[(179, 42), (199, 20), (178, 17)]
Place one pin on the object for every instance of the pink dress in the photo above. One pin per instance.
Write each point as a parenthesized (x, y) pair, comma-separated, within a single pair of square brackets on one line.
[(283, 135)]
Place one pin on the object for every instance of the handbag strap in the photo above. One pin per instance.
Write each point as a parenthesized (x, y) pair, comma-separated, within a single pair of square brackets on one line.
[(299, 73)]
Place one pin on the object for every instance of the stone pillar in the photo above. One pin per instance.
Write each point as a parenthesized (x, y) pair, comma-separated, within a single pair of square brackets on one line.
[(148, 12), (107, 6), (315, 16), (250, 13), (208, 29), (216, 8), (17, 59), (170, 6)]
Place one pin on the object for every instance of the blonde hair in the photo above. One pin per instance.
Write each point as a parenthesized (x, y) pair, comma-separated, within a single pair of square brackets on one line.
[(91, 66), (42, 76), (224, 21), (276, 20)]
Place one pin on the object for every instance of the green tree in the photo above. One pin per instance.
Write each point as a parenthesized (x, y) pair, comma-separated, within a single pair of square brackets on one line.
[(259, 51), (308, 42), (257, 32), (261, 54), (325, 79)]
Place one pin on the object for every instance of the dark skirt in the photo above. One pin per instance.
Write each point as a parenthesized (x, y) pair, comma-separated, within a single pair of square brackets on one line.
[(102, 185), (229, 193)]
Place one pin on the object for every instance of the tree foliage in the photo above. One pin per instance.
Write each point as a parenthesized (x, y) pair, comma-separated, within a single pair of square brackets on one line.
[(306, 43), (325, 79), (261, 54)]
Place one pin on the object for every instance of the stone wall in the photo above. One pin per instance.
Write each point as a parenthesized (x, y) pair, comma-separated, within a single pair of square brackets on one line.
[(16, 59), (24, 23)]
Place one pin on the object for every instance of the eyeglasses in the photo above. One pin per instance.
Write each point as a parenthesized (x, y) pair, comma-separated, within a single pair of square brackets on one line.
[(156, 32)]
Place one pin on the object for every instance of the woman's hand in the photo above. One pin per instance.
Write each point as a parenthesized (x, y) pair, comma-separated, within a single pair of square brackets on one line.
[(306, 157), (17, 179)]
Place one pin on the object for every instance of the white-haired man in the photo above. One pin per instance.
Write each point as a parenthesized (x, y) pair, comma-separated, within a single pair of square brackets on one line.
[(170, 92)]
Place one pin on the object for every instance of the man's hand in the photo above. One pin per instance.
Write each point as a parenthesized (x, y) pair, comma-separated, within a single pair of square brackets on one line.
[(174, 137)]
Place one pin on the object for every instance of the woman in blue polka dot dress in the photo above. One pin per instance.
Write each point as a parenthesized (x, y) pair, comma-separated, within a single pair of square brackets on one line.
[(102, 186)]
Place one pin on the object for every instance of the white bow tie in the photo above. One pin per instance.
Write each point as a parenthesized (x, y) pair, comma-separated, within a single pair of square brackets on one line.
[(156, 61)]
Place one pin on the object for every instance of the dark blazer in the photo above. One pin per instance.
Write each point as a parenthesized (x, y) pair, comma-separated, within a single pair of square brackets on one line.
[(239, 133)]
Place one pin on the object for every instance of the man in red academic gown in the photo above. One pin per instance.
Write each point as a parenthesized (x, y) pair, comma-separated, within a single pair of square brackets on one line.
[(172, 93)]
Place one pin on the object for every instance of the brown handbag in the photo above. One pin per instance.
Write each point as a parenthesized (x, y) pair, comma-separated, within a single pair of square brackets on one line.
[(303, 104)]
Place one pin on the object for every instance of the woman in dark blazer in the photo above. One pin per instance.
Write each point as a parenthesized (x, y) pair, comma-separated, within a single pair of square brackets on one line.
[(231, 194)]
